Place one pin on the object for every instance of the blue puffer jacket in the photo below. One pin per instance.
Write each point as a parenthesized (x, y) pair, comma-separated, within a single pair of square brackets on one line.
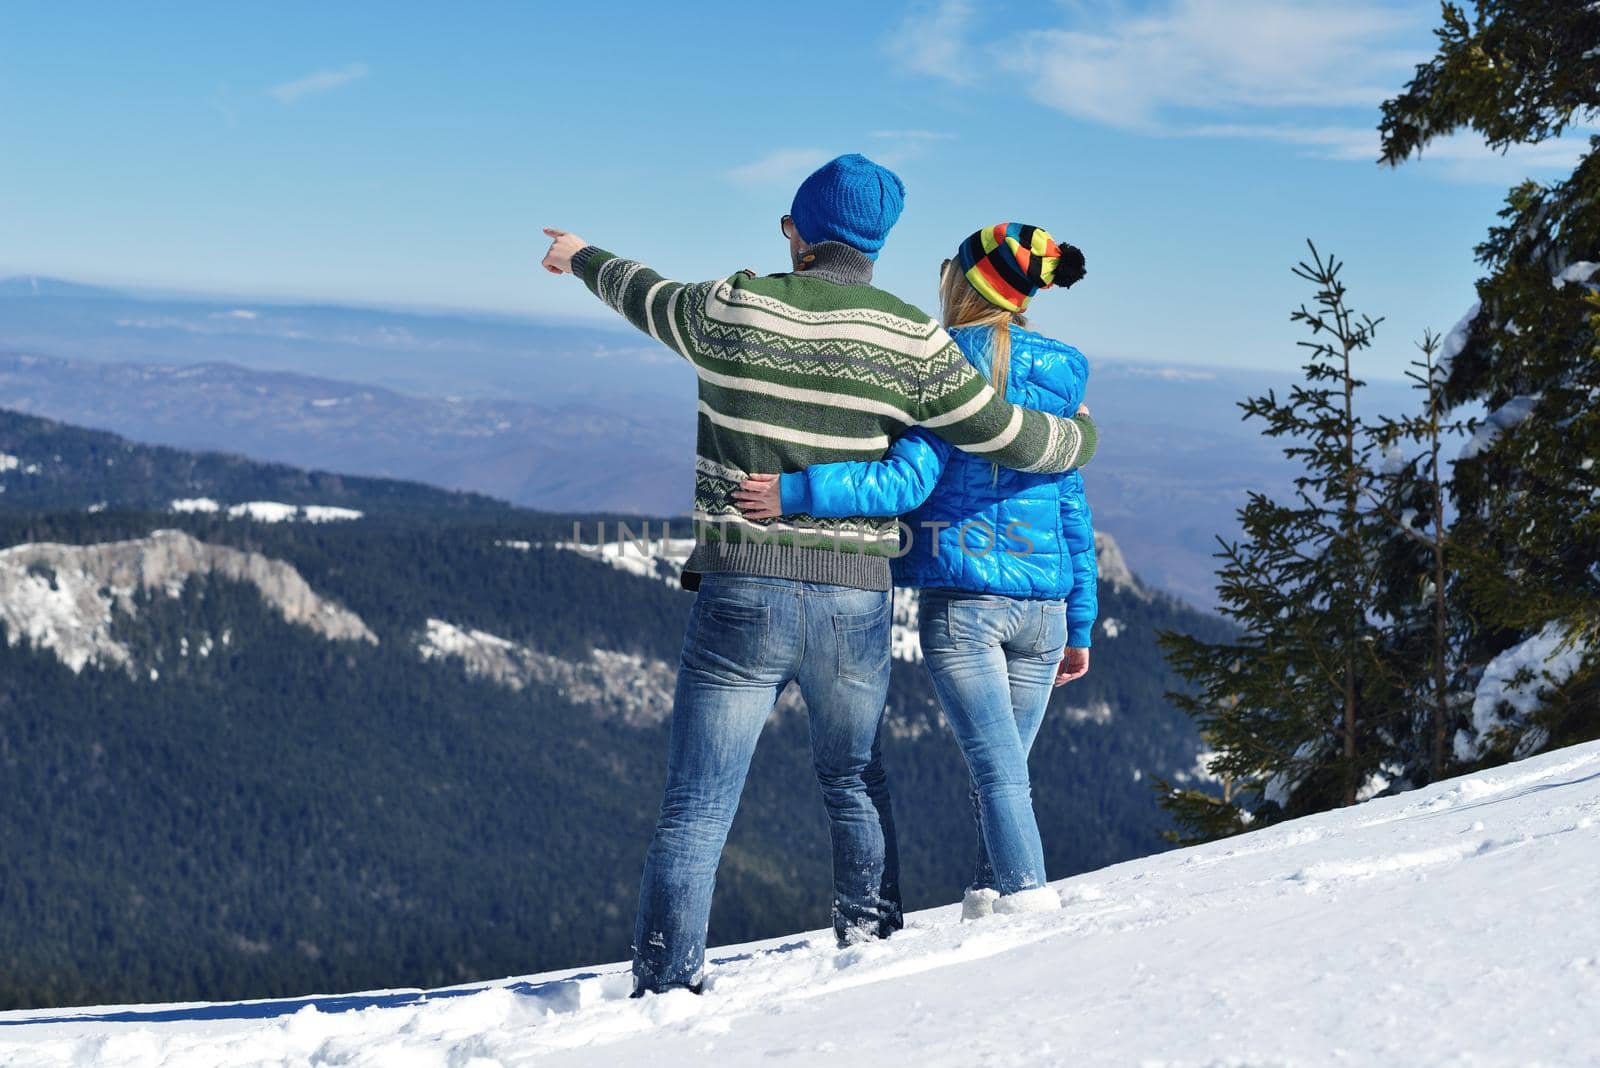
[(959, 505)]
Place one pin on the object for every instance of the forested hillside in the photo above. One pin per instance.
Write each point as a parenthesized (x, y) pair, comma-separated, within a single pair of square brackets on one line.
[(249, 807)]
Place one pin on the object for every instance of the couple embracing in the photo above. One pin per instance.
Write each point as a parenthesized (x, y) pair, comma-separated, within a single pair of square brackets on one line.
[(828, 410)]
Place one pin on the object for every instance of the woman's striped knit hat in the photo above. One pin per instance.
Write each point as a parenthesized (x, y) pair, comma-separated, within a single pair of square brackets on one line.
[(1009, 262)]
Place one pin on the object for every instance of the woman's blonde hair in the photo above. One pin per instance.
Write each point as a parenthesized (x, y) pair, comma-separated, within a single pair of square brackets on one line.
[(961, 305)]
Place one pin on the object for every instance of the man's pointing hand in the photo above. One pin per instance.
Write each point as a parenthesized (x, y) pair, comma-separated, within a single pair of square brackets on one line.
[(563, 246)]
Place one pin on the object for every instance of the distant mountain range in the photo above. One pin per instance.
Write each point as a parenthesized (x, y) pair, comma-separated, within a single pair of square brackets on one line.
[(561, 418), (571, 457)]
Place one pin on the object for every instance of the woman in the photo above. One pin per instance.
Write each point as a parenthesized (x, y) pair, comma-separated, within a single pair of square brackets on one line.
[(1004, 559)]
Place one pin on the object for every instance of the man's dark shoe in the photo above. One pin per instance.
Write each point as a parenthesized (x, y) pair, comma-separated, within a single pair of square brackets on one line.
[(693, 988)]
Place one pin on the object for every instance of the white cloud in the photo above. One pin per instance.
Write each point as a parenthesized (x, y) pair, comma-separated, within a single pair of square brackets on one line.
[(1328, 142), (1464, 157), (781, 166), (1158, 68), (932, 39), (1154, 70), (1304, 73), (1460, 156), (321, 81)]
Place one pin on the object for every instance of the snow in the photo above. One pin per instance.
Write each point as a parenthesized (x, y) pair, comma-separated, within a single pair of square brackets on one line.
[(1378, 934), (64, 598), (265, 511), (1379, 781), (1393, 460), (1282, 786), (637, 689), (324, 513), (1581, 271), (660, 558), (1202, 770), (8, 463), (905, 636), (269, 511), (1098, 713), (1546, 663), (1501, 419), (1455, 341), (1111, 626)]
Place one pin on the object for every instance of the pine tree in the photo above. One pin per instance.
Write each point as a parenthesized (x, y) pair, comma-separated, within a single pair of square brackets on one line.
[(1299, 707), (1528, 493), (1421, 621)]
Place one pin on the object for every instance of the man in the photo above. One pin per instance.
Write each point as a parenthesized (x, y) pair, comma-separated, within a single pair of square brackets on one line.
[(796, 369)]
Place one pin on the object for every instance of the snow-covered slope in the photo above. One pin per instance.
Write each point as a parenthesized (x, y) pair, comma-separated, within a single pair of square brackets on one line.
[(1453, 925)]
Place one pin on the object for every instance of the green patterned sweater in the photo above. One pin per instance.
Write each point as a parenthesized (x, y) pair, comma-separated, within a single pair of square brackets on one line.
[(812, 367)]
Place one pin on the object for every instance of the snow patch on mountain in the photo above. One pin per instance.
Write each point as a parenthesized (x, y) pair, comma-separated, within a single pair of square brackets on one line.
[(16, 463), (267, 511), (636, 689), (1097, 712), (64, 597), (1375, 934), (327, 513), (905, 638), (1114, 568), (661, 558)]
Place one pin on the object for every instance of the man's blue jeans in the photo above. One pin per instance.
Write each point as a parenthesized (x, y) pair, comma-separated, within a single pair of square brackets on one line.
[(748, 637), (993, 661)]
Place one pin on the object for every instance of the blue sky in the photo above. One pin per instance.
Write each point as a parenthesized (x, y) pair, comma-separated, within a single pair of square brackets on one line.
[(408, 154)]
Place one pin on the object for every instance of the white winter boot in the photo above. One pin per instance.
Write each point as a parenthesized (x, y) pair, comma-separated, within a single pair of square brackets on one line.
[(1038, 899), (976, 904)]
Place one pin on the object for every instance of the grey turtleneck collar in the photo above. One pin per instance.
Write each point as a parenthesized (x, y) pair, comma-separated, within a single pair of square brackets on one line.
[(835, 261)]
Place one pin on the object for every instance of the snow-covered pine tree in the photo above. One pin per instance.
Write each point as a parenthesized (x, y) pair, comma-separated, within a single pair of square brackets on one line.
[(1299, 707), (1527, 488)]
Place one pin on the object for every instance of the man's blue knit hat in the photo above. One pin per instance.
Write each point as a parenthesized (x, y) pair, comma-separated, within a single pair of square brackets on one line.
[(849, 199)]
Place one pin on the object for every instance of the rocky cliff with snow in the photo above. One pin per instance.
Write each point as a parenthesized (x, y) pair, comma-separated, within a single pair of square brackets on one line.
[(65, 598)]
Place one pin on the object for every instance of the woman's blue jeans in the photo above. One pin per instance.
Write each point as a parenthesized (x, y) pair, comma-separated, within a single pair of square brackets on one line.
[(748, 637), (993, 662)]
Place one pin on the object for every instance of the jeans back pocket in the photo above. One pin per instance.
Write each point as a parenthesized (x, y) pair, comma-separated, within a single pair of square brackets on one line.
[(1052, 631), (862, 643), (730, 639), (980, 620)]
